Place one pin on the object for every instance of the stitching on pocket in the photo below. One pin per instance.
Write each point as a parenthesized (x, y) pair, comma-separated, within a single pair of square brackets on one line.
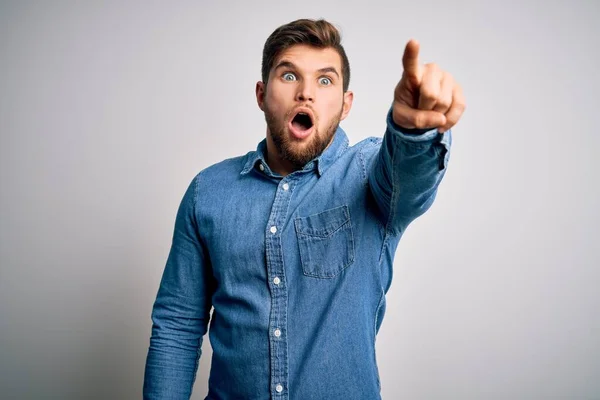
[(316, 236), (336, 222)]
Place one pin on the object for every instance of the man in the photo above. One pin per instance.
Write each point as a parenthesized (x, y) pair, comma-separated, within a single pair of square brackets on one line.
[(292, 245)]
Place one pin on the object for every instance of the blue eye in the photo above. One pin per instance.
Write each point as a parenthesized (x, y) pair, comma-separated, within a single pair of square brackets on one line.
[(288, 76), (325, 81)]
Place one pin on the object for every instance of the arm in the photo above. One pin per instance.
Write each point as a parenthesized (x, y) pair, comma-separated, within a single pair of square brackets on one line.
[(413, 157), (181, 311), (406, 173)]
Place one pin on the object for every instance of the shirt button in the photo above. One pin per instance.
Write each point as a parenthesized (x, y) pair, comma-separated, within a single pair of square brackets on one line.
[(286, 186), (276, 280), (279, 388), (277, 333), (273, 229), (261, 167)]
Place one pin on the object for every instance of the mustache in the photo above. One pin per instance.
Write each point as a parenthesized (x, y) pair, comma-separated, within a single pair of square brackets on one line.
[(292, 111)]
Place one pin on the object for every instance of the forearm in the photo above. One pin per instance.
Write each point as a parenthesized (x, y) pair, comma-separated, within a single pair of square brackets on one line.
[(406, 173), (175, 347)]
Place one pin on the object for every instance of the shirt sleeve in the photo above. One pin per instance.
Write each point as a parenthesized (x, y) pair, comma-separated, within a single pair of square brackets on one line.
[(181, 311), (406, 173)]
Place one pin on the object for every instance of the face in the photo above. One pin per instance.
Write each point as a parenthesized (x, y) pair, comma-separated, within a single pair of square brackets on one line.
[(303, 102)]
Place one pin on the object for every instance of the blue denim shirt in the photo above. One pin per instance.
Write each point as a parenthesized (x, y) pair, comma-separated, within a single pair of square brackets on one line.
[(296, 269)]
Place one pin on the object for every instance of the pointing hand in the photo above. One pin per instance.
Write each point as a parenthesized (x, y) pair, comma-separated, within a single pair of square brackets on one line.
[(426, 96)]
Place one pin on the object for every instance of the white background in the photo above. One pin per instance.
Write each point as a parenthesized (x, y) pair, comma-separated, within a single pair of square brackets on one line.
[(108, 110)]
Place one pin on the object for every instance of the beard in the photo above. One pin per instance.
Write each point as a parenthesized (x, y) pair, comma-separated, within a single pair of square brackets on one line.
[(299, 154)]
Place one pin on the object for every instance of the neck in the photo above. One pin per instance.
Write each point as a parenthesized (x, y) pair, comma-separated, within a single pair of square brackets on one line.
[(275, 162)]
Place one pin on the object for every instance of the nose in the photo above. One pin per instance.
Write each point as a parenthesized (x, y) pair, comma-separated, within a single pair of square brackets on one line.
[(306, 92)]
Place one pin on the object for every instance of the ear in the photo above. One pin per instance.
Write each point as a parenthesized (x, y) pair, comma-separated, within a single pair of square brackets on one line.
[(261, 88), (348, 97)]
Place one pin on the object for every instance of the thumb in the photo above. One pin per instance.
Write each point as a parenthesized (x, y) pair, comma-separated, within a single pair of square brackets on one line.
[(410, 118)]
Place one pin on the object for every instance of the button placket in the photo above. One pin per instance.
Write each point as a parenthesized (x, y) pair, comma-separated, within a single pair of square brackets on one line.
[(279, 296)]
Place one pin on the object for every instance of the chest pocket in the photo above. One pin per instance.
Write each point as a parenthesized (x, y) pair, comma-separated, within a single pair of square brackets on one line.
[(326, 242)]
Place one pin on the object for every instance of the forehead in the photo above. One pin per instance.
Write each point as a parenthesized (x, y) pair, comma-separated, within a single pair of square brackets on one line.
[(310, 58)]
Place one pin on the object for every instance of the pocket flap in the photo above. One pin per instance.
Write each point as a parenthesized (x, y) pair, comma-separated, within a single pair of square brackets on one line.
[(323, 224)]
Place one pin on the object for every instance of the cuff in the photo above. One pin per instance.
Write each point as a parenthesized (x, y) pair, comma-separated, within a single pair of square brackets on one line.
[(423, 137)]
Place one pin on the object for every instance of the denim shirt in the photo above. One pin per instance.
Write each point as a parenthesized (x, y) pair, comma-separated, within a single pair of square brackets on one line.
[(295, 269)]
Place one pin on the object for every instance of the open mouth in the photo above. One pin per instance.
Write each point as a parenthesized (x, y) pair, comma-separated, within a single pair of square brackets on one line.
[(301, 124), (302, 121)]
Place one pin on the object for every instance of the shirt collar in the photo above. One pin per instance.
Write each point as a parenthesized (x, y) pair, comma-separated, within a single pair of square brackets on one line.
[(333, 152), (253, 157), (322, 163)]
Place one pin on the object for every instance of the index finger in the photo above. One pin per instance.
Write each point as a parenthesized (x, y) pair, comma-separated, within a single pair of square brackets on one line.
[(410, 59)]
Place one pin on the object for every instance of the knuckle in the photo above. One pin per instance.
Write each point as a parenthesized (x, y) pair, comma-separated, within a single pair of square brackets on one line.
[(453, 115), (451, 120), (428, 92), (460, 108), (444, 102), (419, 121)]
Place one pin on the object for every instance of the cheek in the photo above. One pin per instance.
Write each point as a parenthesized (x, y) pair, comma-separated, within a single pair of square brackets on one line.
[(332, 107), (275, 100)]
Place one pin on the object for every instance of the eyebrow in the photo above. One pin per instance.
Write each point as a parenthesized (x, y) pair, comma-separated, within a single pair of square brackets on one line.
[(288, 64)]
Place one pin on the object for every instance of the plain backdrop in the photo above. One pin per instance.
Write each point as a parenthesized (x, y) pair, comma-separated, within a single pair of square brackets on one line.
[(108, 109)]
